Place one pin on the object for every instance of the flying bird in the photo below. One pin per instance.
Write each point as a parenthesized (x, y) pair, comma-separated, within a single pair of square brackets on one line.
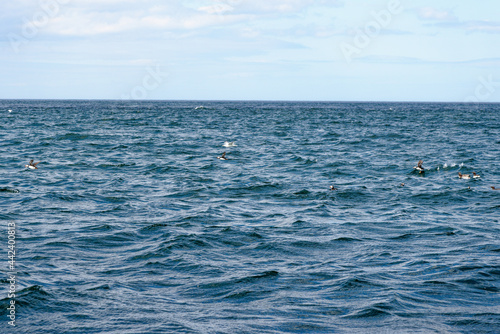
[(32, 165), (419, 167)]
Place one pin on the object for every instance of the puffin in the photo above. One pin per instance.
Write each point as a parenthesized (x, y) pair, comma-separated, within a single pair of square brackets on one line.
[(223, 156), (463, 176), (419, 167), (32, 165)]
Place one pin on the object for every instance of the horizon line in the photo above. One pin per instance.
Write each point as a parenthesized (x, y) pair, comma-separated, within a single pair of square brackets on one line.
[(239, 100)]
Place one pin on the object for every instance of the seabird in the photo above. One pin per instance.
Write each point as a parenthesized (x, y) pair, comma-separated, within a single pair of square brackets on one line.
[(32, 165), (474, 175), (223, 156), (229, 144), (333, 188), (419, 167), (463, 176), (495, 188), (402, 184)]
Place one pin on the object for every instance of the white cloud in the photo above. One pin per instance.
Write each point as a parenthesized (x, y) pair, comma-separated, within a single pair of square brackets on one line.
[(82, 22), (483, 26), (430, 13), (100, 17)]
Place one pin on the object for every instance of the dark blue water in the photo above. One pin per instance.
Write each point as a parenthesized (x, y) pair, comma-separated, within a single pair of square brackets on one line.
[(131, 225)]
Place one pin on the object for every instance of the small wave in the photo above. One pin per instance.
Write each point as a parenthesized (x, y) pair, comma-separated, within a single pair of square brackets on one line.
[(264, 275), (354, 283), (153, 227), (105, 227), (73, 136), (184, 242), (32, 297), (116, 165), (346, 239), (370, 312), (100, 287), (404, 236), (9, 190)]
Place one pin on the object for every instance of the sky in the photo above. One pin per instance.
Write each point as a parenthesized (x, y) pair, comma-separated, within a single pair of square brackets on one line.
[(310, 50)]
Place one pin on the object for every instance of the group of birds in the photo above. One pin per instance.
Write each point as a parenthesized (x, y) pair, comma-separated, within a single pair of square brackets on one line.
[(467, 176), (421, 170), (226, 144), (419, 167)]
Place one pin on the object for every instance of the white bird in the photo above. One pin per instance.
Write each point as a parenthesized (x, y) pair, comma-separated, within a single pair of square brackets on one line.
[(229, 144), (474, 175), (463, 176)]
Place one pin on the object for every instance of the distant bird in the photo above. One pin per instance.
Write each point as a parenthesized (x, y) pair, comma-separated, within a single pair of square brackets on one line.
[(32, 165), (402, 184), (463, 176), (10, 110), (229, 144), (223, 156), (474, 175), (419, 167), (495, 188), (333, 188)]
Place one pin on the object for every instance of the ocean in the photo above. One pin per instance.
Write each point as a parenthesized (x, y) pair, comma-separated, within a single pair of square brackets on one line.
[(131, 224)]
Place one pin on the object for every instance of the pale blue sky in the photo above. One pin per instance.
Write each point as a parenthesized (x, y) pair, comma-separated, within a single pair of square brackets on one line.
[(337, 50)]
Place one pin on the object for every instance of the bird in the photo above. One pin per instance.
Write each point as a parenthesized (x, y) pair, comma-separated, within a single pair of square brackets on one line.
[(229, 144), (223, 156), (474, 175), (419, 167), (495, 188), (402, 184), (333, 188), (463, 176), (32, 165)]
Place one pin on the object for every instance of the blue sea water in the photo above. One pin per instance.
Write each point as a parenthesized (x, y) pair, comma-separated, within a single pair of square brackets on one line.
[(131, 225)]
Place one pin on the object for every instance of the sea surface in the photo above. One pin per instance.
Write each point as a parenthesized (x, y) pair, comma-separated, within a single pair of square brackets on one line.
[(131, 224)]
